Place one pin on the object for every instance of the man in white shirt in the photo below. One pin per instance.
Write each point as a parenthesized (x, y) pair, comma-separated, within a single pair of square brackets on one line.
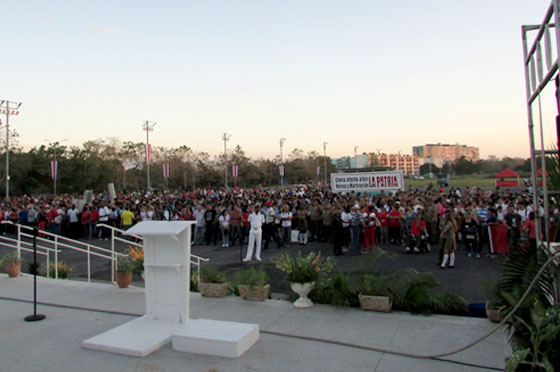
[(256, 219), (104, 213)]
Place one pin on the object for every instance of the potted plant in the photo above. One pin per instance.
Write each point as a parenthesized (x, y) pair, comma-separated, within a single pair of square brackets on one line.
[(123, 272), (252, 284), (12, 264), (376, 293), (302, 272), (212, 283)]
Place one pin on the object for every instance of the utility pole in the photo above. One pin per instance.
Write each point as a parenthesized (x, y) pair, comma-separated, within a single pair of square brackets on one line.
[(8, 108), (282, 159), (225, 138), (148, 126), (325, 159)]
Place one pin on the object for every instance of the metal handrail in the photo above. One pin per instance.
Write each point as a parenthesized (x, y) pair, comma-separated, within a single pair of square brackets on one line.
[(194, 259), (86, 248)]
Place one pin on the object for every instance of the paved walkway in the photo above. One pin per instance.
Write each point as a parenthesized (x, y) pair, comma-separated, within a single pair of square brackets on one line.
[(322, 338)]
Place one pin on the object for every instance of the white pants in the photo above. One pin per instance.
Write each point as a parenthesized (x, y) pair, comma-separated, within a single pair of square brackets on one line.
[(255, 236)]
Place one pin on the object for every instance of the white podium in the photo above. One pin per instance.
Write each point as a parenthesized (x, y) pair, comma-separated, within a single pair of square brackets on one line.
[(167, 250)]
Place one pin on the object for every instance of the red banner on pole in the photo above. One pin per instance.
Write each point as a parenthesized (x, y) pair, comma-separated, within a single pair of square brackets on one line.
[(281, 169), (54, 169), (148, 154), (166, 170), (318, 170), (234, 170), (498, 235)]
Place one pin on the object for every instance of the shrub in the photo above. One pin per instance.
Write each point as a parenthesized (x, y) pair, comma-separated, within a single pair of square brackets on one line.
[(375, 284), (64, 271), (334, 291), (209, 274), (252, 277), (137, 256), (412, 293)]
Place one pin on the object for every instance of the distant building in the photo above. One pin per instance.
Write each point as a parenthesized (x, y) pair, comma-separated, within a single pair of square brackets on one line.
[(351, 162), (438, 154), (408, 164)]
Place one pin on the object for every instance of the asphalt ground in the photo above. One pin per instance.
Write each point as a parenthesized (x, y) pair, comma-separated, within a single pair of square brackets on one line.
[(467, 279)]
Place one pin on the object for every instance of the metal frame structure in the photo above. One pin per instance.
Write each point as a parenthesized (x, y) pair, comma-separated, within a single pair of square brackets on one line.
[(541, 64), (539, 71)]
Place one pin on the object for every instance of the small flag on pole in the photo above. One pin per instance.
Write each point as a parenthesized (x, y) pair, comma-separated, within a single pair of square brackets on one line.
[(148, 154), (281, 169), (234, 170), (318, 170), (166, 170), (54, 169)]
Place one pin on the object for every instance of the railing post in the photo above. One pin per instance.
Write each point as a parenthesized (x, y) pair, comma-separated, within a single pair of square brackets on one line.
[(18, 240), (198, 268), (112, 255), (56, 256), (88, 265)]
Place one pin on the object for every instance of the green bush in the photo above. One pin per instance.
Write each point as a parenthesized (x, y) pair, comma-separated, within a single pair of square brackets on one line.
[(412, 293), (334, 291), (375, 284), (252, 277), (209, 274), (64, 271)]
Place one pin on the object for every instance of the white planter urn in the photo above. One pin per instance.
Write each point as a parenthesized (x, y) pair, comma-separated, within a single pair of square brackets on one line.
[(302, 289)]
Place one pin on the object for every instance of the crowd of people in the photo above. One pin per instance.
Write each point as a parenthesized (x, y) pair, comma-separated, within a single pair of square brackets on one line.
[(353, 223)]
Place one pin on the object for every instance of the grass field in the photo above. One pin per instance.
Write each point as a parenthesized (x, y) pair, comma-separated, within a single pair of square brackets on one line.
[(455, 182)]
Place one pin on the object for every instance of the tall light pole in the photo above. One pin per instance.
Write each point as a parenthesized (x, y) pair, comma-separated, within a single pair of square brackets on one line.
[(356, 157), (54, 145), (282, 159), (325, 159), (225, 138), (148, 126), (8, 108)]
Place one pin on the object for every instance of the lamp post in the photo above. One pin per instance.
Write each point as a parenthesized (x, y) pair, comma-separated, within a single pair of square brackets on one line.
[(54, 145), (226, 138), (148, 126), (282, 159), (325, 159), (356, 157), (8, 108)]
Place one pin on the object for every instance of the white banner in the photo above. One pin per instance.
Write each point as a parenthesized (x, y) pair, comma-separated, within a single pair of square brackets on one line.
[(370, 181)]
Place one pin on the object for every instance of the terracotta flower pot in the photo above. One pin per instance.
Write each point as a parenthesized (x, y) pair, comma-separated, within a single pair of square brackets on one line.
[(376, 303), (213, 289), (13, 269), (123, 279), (254, 293)]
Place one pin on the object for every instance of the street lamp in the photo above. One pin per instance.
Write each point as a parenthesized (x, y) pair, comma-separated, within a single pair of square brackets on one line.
[(55, 176), (148, 126), (226, 138), (8, 108), (282, 159), (356, 157), (325, 159)]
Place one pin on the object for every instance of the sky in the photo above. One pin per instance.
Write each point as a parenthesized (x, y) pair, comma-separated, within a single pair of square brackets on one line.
[(380, 75)]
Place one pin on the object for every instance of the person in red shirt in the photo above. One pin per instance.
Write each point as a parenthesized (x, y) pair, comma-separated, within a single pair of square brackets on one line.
[(51, 217), (94, 218), (530, 228), (382, 215), (86, 222), (2, 218), (369, 233), (418, 234), (395, 225)]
